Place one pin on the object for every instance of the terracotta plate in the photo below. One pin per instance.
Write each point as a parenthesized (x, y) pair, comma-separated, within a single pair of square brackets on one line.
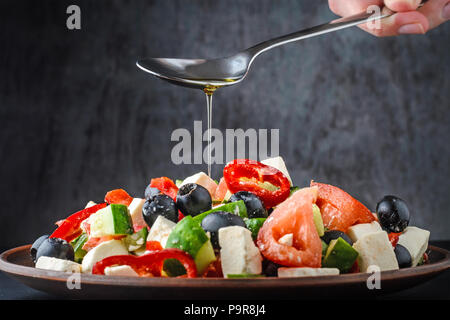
[(17, 263)]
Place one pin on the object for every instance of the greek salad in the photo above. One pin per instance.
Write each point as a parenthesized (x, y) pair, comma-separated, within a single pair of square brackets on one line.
[(253, 222)]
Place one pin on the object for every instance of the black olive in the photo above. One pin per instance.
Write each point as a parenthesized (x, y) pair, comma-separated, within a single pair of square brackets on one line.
[(254, 205), (220, 219), (150, 192), (335, 234), (393, 214), (56, 248), (270, 269), (403, 256), (159, 205), (193, 199), (35, 246)]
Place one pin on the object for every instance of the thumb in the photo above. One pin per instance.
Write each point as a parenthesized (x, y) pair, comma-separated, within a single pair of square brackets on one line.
[(436, 11)]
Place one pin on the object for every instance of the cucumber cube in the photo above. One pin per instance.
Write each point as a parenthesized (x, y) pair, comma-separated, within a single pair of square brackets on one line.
[(189, 236), (340, 254), (254, 224), (112, 220), (77, 245)]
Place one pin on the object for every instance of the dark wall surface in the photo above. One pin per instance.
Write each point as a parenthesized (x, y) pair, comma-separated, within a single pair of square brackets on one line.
[(78, 118)]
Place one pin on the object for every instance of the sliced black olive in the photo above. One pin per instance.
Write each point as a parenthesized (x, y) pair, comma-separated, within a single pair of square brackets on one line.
[(56, 248), (254, 205), (159, 205), (193, 199), (220, 219)]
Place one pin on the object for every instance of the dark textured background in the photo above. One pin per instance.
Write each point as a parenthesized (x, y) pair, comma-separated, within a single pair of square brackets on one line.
[(78, 118)]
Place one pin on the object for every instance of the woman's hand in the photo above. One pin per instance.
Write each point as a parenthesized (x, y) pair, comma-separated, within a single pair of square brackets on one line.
[(407, 19)]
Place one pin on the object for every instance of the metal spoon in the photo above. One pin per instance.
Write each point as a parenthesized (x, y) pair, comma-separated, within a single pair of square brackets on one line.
[(202, 73)]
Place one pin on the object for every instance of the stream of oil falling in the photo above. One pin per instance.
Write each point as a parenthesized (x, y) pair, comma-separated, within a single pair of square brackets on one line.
[(209, 94)]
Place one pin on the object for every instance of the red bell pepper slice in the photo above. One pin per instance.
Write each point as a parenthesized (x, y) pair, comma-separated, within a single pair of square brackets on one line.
[(153, 246), (426, 258), (118, 196), (166, 186), (150, 264), (355, 268), (69, 229), (250, 175)]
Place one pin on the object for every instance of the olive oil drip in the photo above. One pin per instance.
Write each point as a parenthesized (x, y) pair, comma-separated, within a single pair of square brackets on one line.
[(209, 90)]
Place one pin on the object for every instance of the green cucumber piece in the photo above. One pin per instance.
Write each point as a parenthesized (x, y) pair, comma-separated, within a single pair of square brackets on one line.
[(178, 182), (77, 245), (324, 248), (317, 216), (254, 224), (189, 236), (293, 190), (205, 256), (112, 220), (340, 254), (238, 208), (136, 240)]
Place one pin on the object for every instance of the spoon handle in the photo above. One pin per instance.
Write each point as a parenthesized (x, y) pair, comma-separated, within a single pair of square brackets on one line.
[(334, 25)]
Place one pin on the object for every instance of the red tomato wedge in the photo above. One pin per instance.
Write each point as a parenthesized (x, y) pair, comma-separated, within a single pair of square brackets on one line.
[(221, 190), (93, 242), (294, 216), (118, 196), (166, 186), (339, 209)]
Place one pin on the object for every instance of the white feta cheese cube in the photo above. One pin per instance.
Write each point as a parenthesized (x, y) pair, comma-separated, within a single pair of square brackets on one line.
[(415, 240), (357, 231), (287, 239), (278, 163), (375, 249), (102, 251), (90, 204), (141, 251), (204, 180), (55, 264), (120, 271), (135, 209), (238, 252), (161, 230), (306, 272)]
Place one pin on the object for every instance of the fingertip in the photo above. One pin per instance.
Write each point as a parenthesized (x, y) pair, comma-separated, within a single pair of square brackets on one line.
[(402, 5)]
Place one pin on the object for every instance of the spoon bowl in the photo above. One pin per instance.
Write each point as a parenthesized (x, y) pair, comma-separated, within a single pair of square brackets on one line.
[(199, 73)]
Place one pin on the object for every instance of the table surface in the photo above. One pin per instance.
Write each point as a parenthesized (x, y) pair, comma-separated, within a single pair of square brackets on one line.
[(437, 288)]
